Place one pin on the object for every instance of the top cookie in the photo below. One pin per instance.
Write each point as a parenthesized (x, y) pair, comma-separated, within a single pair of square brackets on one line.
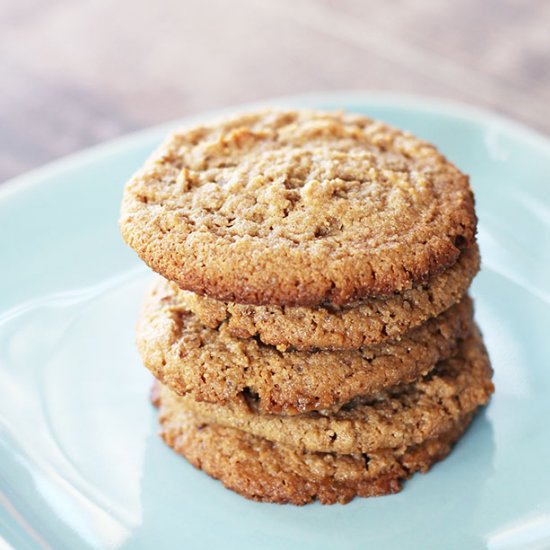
[(297, 208)]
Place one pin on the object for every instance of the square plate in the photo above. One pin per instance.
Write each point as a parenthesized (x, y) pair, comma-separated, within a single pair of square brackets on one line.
[(81, 464)]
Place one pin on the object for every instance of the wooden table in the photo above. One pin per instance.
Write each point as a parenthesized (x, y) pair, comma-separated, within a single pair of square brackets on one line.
[(77, 72)]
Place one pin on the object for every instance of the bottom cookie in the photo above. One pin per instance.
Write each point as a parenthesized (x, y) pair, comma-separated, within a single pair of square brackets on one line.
[(272, 472)]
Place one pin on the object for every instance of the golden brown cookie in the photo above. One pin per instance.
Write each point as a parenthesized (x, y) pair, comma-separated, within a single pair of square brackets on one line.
[(345, 327), (272, 472), (298, 208), (216, 367), (404, 415)]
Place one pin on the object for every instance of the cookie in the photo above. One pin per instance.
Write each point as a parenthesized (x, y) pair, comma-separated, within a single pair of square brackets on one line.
[(401, 416), (216, 367), (297, 208), (272, 472), (346, 327)]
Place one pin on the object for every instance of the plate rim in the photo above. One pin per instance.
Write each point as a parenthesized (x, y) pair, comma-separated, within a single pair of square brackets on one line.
[(425, 103)]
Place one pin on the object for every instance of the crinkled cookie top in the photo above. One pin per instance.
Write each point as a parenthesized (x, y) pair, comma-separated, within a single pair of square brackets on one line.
[(297, 208)]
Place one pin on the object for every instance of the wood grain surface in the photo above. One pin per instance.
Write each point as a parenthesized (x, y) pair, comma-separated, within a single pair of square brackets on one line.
[(77, 72)]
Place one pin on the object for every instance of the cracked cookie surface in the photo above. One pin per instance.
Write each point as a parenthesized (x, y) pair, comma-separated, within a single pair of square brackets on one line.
[(272, 472), (406, 414), (346, 327), (216, 367), (297, 208)]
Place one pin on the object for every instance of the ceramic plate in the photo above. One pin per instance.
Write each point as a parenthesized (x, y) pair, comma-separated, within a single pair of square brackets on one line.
[(81, 463)]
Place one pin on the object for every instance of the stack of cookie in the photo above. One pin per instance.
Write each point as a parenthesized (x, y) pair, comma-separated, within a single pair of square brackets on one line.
[(311, 332)]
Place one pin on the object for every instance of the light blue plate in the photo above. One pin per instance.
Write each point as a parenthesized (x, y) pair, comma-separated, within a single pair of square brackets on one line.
[(81, 465)]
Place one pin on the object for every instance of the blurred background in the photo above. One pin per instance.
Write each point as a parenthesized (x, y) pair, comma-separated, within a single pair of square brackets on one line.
[(77, 72)]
